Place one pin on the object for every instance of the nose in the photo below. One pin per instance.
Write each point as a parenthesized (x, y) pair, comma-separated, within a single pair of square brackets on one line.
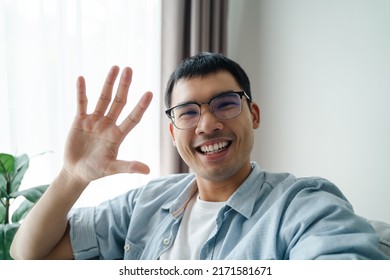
[(208, 122)]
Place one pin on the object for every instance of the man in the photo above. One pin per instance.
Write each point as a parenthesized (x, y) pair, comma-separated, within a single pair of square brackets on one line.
[(228, 208)]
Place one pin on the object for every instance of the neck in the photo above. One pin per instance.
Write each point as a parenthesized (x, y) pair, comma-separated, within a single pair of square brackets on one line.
[(218, 191)]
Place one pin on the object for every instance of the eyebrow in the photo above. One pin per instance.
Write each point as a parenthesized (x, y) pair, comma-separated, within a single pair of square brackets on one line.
[(197, 102)]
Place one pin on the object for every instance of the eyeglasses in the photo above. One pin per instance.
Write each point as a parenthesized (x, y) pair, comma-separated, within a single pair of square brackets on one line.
[(224, 106)]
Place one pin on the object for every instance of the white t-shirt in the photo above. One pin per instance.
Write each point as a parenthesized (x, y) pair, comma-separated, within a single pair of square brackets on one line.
[(198, 222)]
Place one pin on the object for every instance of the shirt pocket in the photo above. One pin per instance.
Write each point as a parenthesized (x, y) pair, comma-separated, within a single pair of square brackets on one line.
[(132, 251)]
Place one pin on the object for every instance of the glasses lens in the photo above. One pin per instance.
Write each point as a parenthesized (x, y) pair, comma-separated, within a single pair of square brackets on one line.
[(186, 116), (226, 106)]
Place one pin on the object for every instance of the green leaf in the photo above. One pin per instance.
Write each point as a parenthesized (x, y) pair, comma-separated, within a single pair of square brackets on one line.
[(21, 166), (7, 233), (3, 187), (7, 163), (22, 211), (32, 194), (2, 213)]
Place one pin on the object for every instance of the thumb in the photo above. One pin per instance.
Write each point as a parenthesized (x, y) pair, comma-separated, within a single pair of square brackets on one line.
[(121, 166)]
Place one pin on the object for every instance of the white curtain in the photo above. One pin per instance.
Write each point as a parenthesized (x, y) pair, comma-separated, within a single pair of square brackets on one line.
[(44, 46)]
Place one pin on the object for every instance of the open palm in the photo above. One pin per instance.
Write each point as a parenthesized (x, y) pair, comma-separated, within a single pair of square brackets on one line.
[(94, 139)]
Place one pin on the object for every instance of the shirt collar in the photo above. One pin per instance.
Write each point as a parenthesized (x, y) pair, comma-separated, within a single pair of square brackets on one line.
[(244, 198), (177, 206), (247, 193)]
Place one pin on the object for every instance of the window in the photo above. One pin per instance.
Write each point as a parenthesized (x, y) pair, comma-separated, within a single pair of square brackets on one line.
[(45, 46)]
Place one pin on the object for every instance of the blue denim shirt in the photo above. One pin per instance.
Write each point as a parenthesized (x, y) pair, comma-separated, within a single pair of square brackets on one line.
[(270, 216)]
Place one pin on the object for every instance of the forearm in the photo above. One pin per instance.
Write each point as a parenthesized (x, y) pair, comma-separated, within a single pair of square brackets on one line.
[(44, 228)]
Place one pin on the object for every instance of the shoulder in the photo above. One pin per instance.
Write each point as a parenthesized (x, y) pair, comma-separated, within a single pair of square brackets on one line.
[(166, 187), (172, 179), (309, 198), (169, 182), (289, 190), (288, 184)]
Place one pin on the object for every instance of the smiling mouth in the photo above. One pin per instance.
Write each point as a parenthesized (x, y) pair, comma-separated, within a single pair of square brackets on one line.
[(214, 148)]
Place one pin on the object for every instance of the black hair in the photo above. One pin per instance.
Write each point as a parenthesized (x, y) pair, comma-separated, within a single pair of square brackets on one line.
[(203, 64)]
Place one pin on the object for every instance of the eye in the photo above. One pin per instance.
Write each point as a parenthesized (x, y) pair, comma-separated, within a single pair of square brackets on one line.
[(226, 103), (187, 111)]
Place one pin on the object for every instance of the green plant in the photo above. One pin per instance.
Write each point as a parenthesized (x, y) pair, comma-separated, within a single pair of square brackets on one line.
[(12, 170)]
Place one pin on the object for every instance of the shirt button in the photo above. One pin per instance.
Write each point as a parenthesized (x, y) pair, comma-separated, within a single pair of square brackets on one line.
[(127, 247), (166, 241)]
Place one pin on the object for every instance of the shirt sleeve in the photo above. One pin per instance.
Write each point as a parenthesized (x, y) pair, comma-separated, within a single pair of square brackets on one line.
[(100, 232), (321, 224), (82, 233)]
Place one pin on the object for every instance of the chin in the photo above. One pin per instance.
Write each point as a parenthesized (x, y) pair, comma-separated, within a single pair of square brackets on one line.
[(217, 174)]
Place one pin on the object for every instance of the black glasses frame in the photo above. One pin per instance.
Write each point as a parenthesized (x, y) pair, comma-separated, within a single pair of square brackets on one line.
[(169, 111)]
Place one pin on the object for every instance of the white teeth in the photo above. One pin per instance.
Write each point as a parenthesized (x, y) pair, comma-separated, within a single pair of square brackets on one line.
[(210, 149)]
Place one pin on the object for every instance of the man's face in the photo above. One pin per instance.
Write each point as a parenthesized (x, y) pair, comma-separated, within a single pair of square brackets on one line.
[(232, 139)]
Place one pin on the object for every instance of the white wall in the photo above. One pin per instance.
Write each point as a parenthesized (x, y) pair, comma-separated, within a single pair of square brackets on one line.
[(320, 71)]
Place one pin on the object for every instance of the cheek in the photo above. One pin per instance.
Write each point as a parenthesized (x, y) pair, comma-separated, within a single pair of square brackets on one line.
[(182, 141), (245, 131)]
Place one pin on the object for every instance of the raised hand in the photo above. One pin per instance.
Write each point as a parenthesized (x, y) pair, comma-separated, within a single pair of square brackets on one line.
[(94, 139)]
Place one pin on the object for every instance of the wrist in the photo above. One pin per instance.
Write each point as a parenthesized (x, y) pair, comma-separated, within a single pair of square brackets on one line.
[(71, 180)]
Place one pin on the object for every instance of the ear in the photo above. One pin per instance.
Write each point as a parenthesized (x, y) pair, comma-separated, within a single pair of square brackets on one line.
[(255, 112), (172, 131)]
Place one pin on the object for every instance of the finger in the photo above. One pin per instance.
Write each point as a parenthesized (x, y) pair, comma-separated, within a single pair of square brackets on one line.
[(120, 166), (105, 95), (121, 95), (136, 115), (82, 101)]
